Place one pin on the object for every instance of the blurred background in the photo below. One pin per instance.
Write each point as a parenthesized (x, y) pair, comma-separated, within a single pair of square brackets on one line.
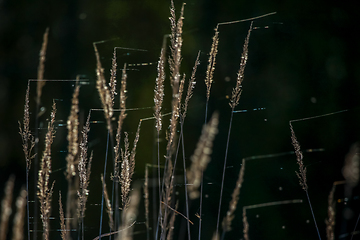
[(303, 62)]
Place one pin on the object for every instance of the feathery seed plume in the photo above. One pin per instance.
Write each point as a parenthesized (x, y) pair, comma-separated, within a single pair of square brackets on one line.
[(73, 132), (191, 86), (174, 64), (159, 90), (112, 83), (45, 192), (84, 168), (41, 68), (201, 156), (236, 92), (128, 166), (211, 62), (299, 157), (103, 90), (64, 232), (226, 224), (28, 141), (122, 116)]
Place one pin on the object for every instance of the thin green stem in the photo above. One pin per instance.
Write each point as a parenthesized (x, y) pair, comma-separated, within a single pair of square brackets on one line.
[(202, 178), (312, 212), (223, 174), (185, 180), (103, 185)]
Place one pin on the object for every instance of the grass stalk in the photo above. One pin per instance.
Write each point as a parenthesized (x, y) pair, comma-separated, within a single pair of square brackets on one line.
[(234, 101), (223, 173), (208, 82), (44, 190), (103, 184), (302, 173), (40, 85), (28, 144)]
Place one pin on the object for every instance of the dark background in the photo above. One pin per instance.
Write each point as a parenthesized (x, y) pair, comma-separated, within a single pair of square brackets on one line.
[(303, 62)]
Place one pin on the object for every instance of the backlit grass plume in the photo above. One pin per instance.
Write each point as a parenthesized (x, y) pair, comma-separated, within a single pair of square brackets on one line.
[(302, 172), (45, 190), (201, 156)]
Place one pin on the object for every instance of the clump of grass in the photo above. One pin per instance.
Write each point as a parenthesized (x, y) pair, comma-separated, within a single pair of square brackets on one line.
[(79, 163)]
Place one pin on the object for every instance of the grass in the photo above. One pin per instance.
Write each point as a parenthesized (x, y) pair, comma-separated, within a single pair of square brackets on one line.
[(175, 190)]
